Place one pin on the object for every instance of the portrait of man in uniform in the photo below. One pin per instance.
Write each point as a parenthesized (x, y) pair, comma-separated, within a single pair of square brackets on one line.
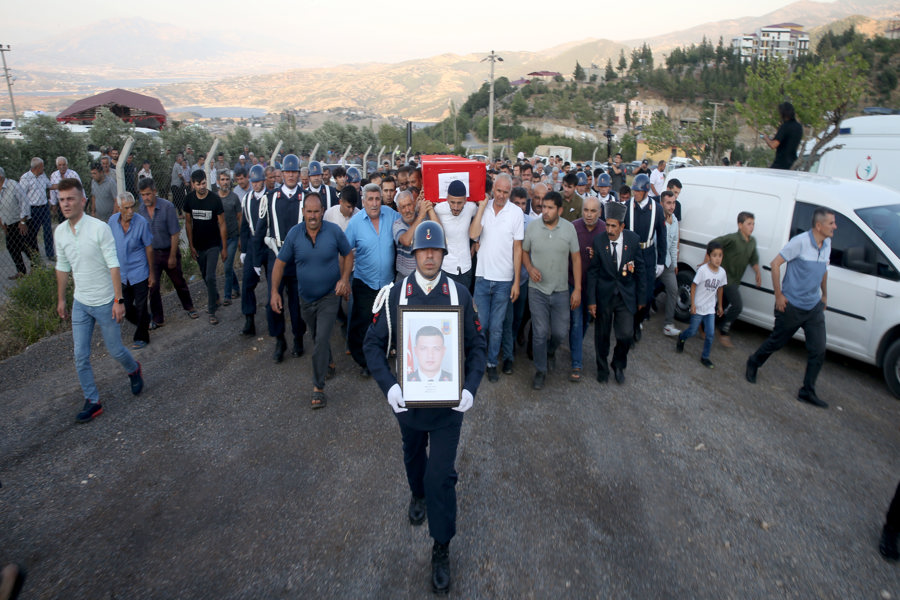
[(429, 350), (428, 361)]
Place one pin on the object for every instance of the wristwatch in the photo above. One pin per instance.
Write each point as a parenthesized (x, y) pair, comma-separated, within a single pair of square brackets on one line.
[(120, 300)]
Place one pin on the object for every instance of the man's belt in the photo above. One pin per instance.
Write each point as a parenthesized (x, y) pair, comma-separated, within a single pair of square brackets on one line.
[(645, 245)]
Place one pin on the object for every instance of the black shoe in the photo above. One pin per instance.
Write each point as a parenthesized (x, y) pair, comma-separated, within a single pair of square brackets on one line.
[(416, 511), (137, 380), (602, 378), (440, 568), (364, 372), (280, 348), (298, 347), (620, 375), (249, 325), (810, 398), (90, 411), (679, 346), (707, 363), (507, 366), (637, 335), (750, 374), (492, 374), (551, 362), (538, 382), (888, 545)]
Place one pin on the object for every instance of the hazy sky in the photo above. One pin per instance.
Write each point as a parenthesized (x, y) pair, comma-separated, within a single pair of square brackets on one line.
[(361, 31)]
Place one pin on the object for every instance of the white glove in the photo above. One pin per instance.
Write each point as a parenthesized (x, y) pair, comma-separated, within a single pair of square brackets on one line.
[(659, 270), (258, 271), (395, 399), (243, 256), (465, 403)]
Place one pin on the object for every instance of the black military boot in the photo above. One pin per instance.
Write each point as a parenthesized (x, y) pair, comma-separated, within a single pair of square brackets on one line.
[(416, 511), (440, 568), (280, 347), (249, 325), (888, 545)]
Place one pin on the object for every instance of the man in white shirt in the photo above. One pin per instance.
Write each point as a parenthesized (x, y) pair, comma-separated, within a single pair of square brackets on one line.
[(62, 172), (455, 216), (34, 184), (658, 180), (86, 248), (499, 228), (340, 213)]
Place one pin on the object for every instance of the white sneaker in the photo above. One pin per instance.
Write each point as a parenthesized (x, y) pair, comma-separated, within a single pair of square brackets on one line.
[(671, 331)]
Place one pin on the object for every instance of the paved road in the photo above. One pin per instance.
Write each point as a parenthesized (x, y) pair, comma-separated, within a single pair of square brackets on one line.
[(220, 482)]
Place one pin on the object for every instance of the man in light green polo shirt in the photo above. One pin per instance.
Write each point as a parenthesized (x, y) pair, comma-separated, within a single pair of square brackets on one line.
[(85, 247), (549, 243)]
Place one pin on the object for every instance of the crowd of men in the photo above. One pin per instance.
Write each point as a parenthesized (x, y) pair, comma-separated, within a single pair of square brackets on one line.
[(544, 250), (529, 249)]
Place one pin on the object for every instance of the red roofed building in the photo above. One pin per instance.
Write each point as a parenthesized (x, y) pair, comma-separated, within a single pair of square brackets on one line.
[(131, 107), (550, 74)]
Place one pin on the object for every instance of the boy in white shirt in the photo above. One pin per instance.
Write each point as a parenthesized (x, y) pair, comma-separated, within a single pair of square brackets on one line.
[(706, 294)]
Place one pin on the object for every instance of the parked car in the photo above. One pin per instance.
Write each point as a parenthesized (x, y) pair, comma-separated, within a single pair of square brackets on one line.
[(679, 162), (863, 312), (631, 167)]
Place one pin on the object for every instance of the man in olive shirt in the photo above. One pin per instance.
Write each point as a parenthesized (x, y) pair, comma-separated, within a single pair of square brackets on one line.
[(572, 202), (546, 249), (740, 252)]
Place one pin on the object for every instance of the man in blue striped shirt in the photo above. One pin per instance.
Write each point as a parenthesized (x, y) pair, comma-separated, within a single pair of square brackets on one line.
[(801, 300)]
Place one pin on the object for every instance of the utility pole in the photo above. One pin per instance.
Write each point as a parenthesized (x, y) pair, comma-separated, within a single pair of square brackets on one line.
[(716, 106), (3, 51), (493, 58), (455, 136)]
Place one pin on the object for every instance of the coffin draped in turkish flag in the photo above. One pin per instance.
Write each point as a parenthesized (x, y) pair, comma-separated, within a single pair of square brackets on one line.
[(439, 170)]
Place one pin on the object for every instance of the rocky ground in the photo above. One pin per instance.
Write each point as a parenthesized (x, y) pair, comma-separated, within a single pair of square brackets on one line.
[(219, 481)]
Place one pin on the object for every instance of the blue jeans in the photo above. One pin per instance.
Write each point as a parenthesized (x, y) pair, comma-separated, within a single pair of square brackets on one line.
[(491, 299), (578, 324), (40, 218), (83, 319), (549, 324), (231, 280), (709, 329), (515, 311)]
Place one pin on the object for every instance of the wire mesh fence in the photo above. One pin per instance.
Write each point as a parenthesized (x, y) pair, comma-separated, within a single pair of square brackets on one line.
[(28, 293)]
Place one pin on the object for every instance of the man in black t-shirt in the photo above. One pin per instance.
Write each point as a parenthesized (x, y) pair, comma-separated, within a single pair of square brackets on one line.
[(204, 222), (787, 138)]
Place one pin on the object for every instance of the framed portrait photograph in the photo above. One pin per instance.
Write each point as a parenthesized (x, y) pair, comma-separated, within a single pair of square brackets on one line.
[(429, 359)]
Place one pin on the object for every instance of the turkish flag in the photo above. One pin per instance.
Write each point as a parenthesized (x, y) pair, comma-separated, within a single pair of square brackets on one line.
[(410, 366)]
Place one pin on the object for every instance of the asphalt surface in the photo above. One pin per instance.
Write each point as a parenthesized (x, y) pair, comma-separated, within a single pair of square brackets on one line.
[(219, 481)]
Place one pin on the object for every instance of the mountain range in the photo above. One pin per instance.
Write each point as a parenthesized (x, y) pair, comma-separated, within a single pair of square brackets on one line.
[(207, 70)]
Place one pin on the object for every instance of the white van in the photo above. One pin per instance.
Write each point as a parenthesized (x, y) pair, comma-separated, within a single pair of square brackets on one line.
[(870, 151), (7, 124), (863, 313)]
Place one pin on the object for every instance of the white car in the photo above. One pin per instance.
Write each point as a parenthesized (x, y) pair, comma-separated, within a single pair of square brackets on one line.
[(863, 312)]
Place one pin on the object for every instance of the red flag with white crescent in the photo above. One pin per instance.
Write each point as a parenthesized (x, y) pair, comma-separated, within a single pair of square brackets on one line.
[(410, 366)]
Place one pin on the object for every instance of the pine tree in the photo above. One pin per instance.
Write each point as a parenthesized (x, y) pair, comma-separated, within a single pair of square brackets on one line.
[(579, 72)]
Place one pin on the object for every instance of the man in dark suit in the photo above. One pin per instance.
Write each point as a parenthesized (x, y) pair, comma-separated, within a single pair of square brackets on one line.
[(615, 280)]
